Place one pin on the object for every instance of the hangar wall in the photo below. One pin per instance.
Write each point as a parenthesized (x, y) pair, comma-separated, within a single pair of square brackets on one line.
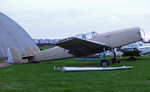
[(13, 35)]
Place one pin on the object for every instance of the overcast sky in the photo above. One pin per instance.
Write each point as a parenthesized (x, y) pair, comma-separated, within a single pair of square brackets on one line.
[(63, 18)]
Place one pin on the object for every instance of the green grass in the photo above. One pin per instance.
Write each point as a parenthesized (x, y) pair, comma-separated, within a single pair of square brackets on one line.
[(40, 77), (45, 47)]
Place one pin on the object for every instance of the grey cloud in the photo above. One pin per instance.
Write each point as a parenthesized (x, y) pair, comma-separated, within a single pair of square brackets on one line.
[(59, 24)]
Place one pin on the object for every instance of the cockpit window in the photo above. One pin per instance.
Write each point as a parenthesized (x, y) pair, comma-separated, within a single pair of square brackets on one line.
[(87, 35)]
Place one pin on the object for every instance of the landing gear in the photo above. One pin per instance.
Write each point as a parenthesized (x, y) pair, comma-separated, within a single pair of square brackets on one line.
[(105, 63), (115, 60), (132, 58)]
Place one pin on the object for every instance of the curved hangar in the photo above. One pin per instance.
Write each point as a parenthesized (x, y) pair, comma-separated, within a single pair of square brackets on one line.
[(13, 35)]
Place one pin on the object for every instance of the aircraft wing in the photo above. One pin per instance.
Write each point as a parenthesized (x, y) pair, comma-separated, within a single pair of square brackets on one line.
[(81, 47)]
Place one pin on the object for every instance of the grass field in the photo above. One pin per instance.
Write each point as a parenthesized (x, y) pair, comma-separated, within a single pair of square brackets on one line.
[(45, 47), (40, 77)]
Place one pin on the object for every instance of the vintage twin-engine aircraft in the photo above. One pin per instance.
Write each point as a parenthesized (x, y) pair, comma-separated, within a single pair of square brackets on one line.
[(76, 47), (101, 43)]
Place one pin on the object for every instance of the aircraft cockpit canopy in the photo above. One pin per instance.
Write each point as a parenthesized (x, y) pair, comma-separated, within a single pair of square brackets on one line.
[(86, 35)]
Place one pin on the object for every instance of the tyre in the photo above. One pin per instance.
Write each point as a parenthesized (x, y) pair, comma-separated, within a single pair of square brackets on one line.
[(132, 59), (105, 63)]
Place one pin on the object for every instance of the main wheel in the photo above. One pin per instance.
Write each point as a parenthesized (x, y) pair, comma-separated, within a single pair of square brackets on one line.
[(105, 63), (132, 59)]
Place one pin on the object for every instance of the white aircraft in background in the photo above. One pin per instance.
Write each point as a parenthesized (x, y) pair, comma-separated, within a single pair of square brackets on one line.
[(136, 49), (144, 49)]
